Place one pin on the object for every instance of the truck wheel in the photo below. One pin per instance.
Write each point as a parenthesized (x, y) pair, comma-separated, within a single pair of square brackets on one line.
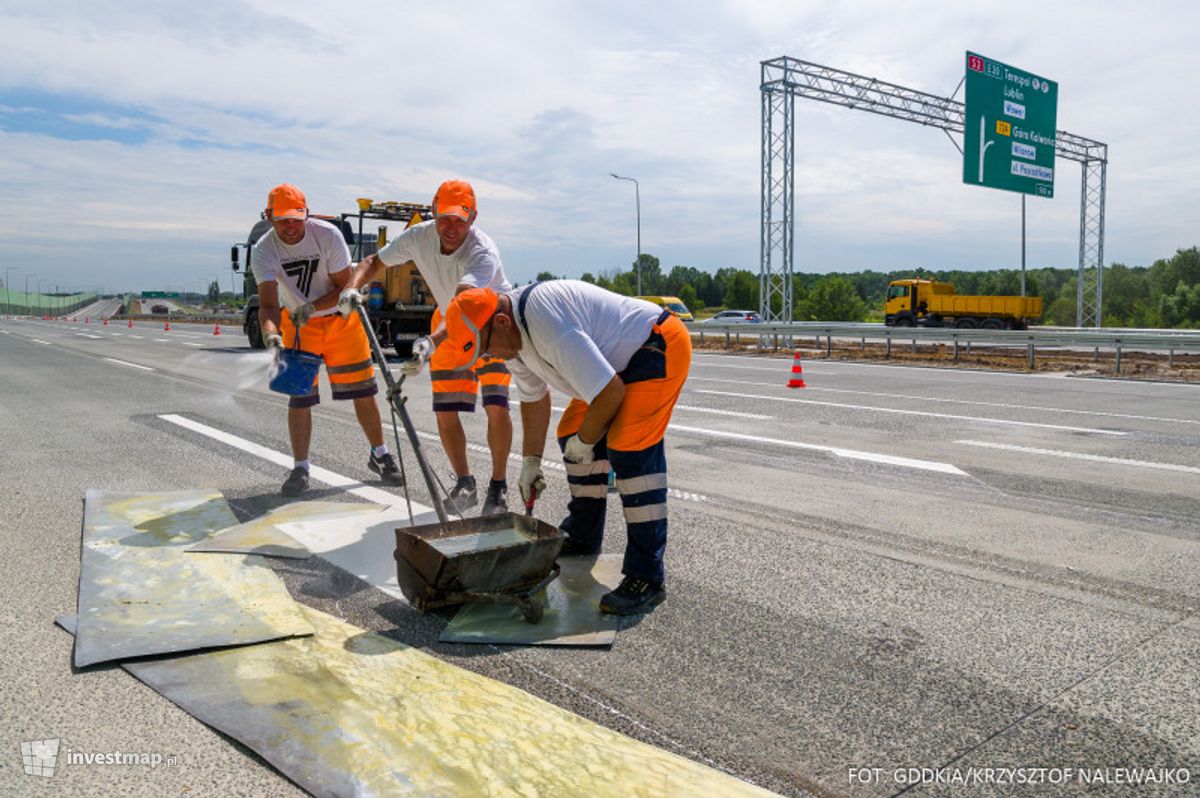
[(254, 331), (992, 324), (904, 322), (965, 324)]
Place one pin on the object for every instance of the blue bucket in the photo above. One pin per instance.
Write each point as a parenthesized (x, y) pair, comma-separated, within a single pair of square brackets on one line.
[(296, 371)]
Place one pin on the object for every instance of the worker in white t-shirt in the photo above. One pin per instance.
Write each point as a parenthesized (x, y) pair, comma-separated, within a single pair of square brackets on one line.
[(623, 362), (301, 267), (453, 255)]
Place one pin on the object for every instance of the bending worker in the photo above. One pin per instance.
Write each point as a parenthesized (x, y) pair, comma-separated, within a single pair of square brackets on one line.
[(453, 255), (306, 262), (623, 362)]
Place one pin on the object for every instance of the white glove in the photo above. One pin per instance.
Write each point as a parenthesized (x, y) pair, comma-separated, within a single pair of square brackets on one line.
[(302, 314), (532, 481), (349, 302), (422, 351), (578, 452), (274, 341)]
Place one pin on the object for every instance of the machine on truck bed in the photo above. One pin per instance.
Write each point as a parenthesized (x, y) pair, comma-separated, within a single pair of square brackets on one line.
[(929, 303), (400, 308)]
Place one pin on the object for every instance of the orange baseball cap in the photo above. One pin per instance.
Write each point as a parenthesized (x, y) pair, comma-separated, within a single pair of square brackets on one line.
[(468, 313), (286, 202), (455, 198)]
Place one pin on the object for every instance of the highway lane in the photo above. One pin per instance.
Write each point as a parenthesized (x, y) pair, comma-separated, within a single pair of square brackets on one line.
[(852, 583)]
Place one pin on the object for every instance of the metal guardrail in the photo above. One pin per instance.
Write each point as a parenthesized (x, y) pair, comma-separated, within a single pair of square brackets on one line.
[(776, 335)]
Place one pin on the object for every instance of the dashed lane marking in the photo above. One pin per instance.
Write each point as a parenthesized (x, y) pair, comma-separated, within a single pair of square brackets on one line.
[(1095, 458), (979, 419)]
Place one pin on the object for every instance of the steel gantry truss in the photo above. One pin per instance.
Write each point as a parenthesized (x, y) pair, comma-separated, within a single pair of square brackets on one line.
[(785, 78)]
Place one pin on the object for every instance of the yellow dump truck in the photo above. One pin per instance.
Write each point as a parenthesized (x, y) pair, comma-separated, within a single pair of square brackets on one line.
[(929, 303)]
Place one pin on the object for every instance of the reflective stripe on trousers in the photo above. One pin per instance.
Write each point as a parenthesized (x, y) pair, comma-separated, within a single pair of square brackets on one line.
[(642, 485)]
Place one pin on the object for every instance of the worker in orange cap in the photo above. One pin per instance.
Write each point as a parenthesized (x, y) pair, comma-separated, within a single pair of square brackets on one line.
[(452, 256), (304, 264), (623, 362)]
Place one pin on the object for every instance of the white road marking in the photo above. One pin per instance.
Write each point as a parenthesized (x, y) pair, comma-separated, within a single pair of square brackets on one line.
[(1096, 458), (1010, 422), (160, 340), (279, 458), (40, 341), (722, 412), (131, 365), (86, 335), (189, 343), (1038, 408), (853, 454), (138, 337)]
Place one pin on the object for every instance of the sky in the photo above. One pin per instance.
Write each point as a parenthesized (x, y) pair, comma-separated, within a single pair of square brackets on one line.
[(138, 140)]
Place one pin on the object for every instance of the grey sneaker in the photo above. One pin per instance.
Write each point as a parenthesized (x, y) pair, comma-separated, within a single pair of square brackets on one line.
[(462, 495), (496, 500), (387, 469), (296, 483)]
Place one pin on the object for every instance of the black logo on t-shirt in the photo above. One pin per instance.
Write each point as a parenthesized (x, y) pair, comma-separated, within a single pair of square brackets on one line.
[(302, 272)]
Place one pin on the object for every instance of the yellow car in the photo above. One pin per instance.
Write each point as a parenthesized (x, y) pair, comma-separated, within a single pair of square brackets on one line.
[(671, 303)]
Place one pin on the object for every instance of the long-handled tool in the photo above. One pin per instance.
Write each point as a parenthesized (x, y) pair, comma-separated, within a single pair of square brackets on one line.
[(503, 558), (397, 402)]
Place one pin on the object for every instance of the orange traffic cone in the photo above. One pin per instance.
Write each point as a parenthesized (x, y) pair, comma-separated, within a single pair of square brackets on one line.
[(167, 327), (217, 328), (797, 380)]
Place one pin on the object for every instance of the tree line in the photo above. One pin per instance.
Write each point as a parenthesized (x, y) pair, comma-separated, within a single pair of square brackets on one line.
[(1165, 294)]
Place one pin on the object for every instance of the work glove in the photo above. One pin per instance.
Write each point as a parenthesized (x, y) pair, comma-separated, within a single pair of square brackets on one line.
[(274, 341), (578, 452), (349, 302), (532, 481), (422, 350), (302, 314)]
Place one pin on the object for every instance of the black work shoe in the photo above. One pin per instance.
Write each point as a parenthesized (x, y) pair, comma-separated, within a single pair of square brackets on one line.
[(572, 548), (296, 483), (462, 495), (632, 596), (387, 469), (496, 500)]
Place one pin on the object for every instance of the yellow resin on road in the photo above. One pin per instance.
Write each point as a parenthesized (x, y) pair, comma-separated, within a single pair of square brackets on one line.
[(348, 711)]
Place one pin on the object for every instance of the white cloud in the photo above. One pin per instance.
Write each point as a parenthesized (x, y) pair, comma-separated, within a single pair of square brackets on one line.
[(537, 102)]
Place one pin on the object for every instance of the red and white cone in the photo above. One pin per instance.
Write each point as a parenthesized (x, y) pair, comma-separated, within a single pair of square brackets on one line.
[(167, 327), (797, 380), (217, 328), (130, 324), (106, 321)]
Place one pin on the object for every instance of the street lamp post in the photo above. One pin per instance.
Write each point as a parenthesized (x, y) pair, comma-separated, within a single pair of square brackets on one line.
[(637, 198), (8, 286), (28, 312)]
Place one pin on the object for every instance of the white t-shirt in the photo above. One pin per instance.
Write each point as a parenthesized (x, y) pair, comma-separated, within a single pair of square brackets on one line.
[(301, 270), (475, 263), (576, 337)]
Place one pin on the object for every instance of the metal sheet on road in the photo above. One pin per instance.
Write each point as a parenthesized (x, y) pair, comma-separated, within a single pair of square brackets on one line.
[(142, 593), (263, 536), (572, 616)]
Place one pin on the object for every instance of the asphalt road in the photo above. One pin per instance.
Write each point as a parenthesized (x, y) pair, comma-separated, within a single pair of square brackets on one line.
[(895, 568)]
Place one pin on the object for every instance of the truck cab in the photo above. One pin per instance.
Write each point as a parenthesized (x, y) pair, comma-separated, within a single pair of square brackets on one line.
[(408, 309)]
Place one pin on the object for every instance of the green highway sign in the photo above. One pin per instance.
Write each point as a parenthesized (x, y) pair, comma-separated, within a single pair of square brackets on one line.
[(1009, 128), (160, 295)]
